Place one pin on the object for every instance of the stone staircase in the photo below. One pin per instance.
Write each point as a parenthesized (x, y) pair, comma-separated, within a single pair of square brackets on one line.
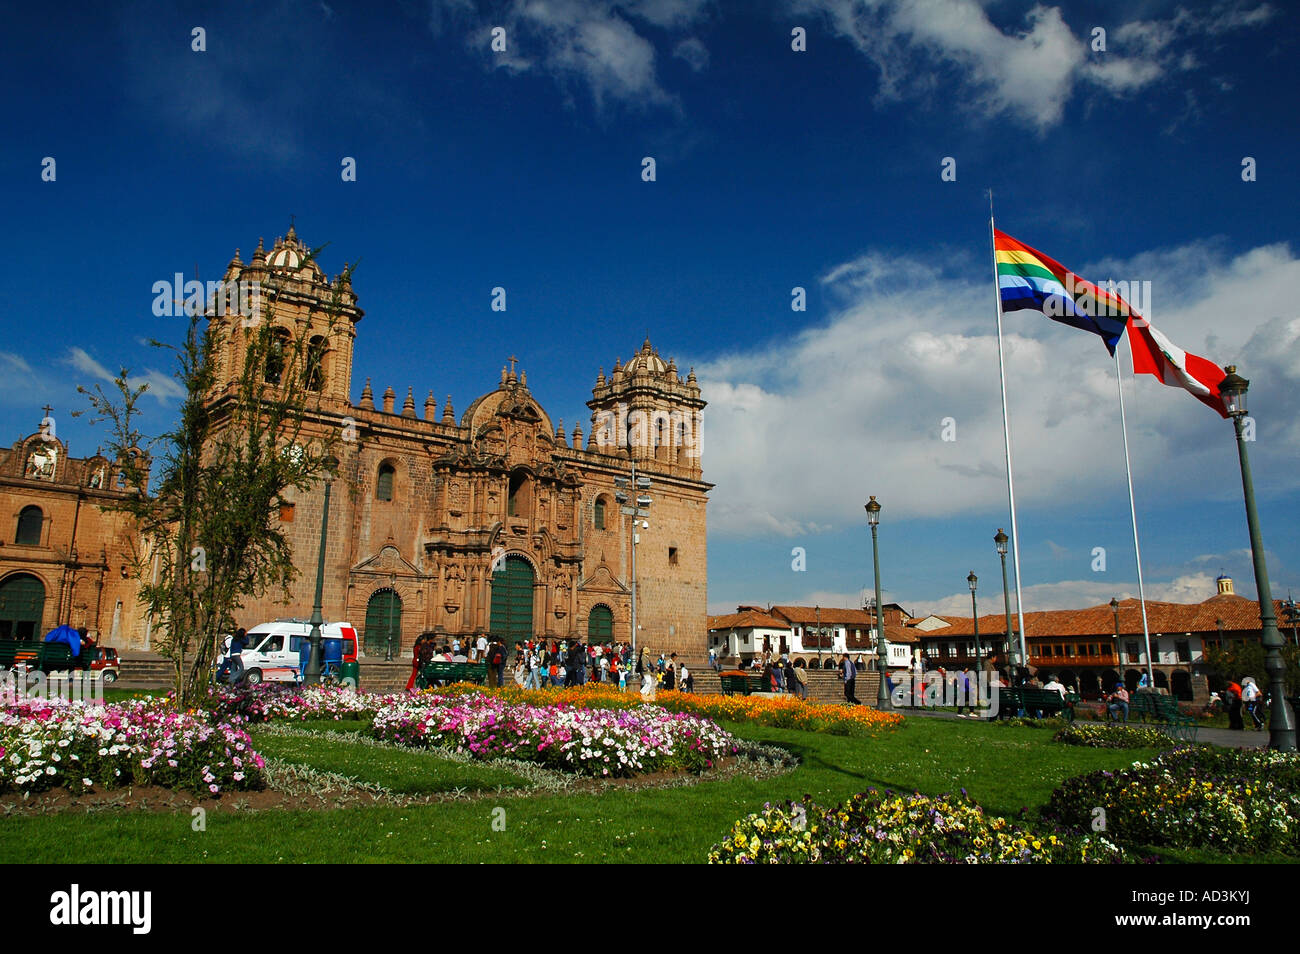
[(144, 670)]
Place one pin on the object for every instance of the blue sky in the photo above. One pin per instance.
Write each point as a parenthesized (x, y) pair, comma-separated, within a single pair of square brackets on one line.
[(775, 169)]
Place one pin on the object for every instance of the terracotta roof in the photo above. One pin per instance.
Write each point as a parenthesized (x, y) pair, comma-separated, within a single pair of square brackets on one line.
[(1237, 612), (747, 619), (829, 614)]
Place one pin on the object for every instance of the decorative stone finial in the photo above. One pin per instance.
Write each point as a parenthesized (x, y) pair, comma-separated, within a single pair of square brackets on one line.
[(367, 397), (448, 415), (389, 398), (430, 407), (408, 406)]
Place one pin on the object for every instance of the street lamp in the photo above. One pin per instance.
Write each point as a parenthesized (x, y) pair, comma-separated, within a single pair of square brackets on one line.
[(882, 645), (972, 580), (311, 676), (1114, 608), (1000, 541), (1281, 730), (392, 606), (632, 504), (1292, 617), (818, 610)]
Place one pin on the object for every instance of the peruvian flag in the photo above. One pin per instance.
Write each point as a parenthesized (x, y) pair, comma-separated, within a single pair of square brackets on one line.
[(1153, 353)]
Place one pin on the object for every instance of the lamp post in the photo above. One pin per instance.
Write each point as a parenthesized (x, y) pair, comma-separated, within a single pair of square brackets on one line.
[(632, 503), (882, 645), (311, 676), (971, 581), (1292, 617), (1114, 608), (1281, 730), (818, 610), (1000, 541)]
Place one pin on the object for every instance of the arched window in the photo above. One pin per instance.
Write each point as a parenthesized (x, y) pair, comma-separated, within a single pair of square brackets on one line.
[(600, 625), (600, 513), (518, 500), (30, 523), (384, 485), (316, 363), (276, 354)]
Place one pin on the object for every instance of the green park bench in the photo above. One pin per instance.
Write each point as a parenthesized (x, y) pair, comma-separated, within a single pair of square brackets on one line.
[(47, 657), (1163, 710), (741, 684), (445, 673), (1027, 699)]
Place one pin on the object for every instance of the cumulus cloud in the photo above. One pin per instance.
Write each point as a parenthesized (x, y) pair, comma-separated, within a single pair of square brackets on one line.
[(1028, 72), (799, 431)]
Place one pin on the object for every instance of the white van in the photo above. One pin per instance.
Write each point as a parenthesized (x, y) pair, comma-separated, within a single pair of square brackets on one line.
[(278, 651)]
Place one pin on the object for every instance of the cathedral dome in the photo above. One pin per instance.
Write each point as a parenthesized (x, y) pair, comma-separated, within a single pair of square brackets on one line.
[(647, 359)]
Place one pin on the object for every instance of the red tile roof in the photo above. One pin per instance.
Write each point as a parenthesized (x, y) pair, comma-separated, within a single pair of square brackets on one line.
[(1237, 613), (747, 619)]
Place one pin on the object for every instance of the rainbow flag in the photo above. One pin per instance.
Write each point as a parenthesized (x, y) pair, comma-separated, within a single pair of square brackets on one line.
[(1028, 279)]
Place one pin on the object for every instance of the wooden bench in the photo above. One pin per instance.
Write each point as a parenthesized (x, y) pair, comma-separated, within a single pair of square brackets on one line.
[(1163, 710), (743, 683), (441, 672)]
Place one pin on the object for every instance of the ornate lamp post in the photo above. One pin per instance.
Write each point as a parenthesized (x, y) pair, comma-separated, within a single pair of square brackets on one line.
[(1292, 617), (311, 676), (818, 610), (1281, 730), (972, 580), (392, 607), (882, 645), (1000, 541)]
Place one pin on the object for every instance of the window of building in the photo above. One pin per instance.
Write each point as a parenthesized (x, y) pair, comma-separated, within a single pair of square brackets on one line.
[(286, 513), (672, 556), (599, 518), (30, 523), (1132, 651), (316, 364), (1183, 648), (276, 355), (384, 485)]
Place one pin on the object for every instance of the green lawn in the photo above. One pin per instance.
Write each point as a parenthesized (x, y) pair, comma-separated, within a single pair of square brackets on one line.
[(1004, 769)]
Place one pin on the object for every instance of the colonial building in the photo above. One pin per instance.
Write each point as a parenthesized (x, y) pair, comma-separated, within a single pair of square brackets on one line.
[(1096, 647), (495, 520), (818, 636), (65, 555)]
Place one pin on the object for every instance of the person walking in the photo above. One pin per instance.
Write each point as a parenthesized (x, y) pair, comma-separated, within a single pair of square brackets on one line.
[(849, 673), (1232, 696), (1251, 698)]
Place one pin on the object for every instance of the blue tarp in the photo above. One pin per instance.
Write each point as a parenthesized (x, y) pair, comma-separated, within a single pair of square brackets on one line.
[(65, 634)]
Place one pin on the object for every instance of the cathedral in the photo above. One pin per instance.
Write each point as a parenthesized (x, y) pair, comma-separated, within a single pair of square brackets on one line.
[(494, 521)]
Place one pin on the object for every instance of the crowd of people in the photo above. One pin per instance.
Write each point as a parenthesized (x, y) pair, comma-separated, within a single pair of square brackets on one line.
[(556, 663)]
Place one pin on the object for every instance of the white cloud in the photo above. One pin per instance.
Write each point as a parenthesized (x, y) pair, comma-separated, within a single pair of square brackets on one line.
[(605, 46), (798, 432), (1029, 72), (162, 387)]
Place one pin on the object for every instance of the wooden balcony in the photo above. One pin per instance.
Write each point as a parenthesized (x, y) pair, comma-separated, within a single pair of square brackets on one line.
[(1105, 660)]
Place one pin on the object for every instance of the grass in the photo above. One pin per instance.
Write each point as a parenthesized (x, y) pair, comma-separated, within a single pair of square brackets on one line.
[(1003, 768), (400, 771)]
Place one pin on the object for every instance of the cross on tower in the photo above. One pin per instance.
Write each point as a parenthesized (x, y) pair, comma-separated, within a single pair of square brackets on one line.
[(47, 409), (512, 359)]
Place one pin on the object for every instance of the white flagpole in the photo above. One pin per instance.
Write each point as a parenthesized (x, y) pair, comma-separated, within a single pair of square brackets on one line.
[(1132, 509), (1006, 434)]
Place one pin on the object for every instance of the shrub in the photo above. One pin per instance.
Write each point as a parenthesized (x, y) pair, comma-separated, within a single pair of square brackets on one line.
[(1101, 736)]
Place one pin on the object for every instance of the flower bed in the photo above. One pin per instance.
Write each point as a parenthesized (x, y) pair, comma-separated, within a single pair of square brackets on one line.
[(1101, 736), (590, 741), (140, 742), (884, 828), (786, 712), (1232, 800), (266, 702)]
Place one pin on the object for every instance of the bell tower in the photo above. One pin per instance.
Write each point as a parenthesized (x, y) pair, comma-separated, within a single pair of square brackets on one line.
[(646, 412), (287, 288)]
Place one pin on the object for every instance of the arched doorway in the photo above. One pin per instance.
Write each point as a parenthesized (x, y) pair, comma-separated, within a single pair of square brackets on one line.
[(1131, 678), (1088, 684), (22, 604), (1182, 685), (1162, 679), (383, 618), (600, 625), (512, 601)]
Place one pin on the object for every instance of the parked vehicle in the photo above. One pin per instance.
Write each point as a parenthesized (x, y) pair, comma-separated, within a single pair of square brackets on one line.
[(279, 651)]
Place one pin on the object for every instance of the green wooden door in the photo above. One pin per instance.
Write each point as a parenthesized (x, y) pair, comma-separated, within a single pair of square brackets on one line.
[(383, 616), (22, 604), (512, 601), (600, 625)]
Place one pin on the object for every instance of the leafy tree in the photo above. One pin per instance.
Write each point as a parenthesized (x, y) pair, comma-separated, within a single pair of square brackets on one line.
[(1230, 664), (210, 527)]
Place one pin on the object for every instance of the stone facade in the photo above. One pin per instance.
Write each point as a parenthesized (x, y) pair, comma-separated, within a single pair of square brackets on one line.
[(65, 555), (440, 509)]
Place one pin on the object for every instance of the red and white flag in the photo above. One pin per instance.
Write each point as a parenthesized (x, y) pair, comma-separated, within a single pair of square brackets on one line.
[(1153, 353)]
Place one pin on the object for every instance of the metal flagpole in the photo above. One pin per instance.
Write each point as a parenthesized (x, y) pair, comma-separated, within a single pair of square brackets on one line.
[(1132, 509), (1006, 434)]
